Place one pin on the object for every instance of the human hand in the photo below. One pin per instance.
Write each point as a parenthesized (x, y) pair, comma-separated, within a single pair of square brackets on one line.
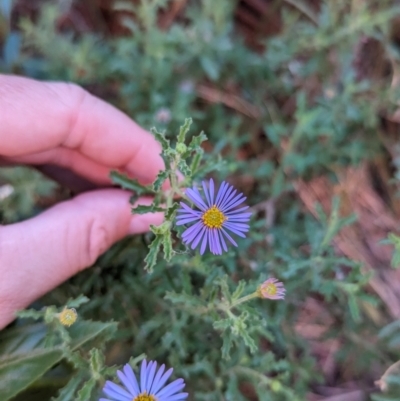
[(60, 123)]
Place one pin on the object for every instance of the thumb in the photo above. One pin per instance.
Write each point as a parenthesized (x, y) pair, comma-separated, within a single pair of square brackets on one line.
[(39, 254)]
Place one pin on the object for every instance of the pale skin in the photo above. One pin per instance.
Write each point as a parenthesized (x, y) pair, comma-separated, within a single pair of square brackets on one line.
[(60, 123)]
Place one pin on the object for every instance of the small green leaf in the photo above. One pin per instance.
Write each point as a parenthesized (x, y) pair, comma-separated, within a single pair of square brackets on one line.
[(354, 309), (84, 332), (249, 341), (77, 302), (196, 162), (222, 324), (196, 141), (184, 168), (161, 229), (223, 283), (151, 258), (31, 314), (210, 67), (184, 130), (143, 209), (226, 345), (160, 136), (278, 183), (239, 290), (167, 246), (86, 391), (215, 165), (335, 223), (184, 299), (169, 214), (67, 393), (96, 360), (161, 177), (128, 183)]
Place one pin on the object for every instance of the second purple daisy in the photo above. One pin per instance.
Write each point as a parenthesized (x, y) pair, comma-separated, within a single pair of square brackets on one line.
[(217, 216)]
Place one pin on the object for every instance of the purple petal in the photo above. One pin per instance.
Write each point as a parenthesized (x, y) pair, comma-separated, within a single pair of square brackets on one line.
[(237, 200), (217, 243), (192, 237), (226, 196), (221, 237), (187, 220), (239, 220), (171, 389), (197, 192), (237, 213), (242, 209), (157, 379), (230, 194), (162, 380), (192, 228), (113, 390), (217, 237), (143, 371), (189, 234), (229, 237), (182, 212), (244, 219), (132, 379), (205, 241), (198, 238), (239, 226), (177, 397), (150, 376), (234, 230), (220, 192), (126, 382), (186, 215), (196, 199), (212, 242), (187, 208), (205, 189), (211, 189)]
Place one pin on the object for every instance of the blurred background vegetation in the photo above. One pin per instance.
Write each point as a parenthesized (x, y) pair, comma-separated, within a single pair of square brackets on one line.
[(300, 98)]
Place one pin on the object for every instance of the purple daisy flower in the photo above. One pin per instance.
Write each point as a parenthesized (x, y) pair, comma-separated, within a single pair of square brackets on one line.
[(217, 216), (151, 387)]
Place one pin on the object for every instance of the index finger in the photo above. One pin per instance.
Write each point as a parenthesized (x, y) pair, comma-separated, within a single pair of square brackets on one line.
[(36, 117)]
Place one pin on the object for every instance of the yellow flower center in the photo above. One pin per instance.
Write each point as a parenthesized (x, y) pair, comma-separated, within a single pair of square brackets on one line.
[(68, 317), (213, 217), (145, 397), (270, 289)]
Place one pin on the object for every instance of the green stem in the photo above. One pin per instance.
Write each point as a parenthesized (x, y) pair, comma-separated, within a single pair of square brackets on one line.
[(243, 299), (227, 307), (175, 189)]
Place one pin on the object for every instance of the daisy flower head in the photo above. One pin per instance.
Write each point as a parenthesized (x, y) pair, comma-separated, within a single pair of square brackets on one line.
[(271, 289), (68, 317), (216, 218), (150, 387)]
